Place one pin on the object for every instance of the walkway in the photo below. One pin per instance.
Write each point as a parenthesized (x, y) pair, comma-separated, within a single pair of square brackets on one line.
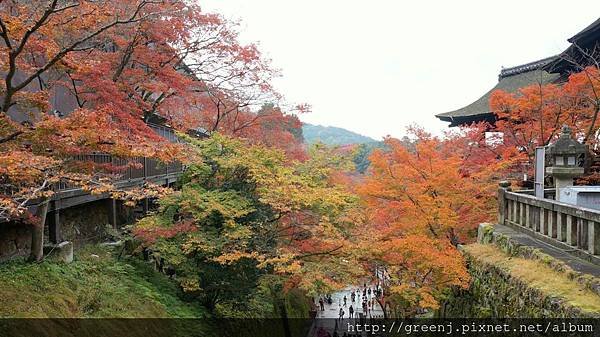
[(328, 318), (571, 260)]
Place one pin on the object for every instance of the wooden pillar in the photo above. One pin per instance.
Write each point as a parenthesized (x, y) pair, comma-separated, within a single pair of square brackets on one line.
[(112, 213), (54, 229), (37, 233), (146, 205)]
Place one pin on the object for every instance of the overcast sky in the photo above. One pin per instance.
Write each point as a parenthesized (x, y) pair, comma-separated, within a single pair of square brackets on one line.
[(374, 67)]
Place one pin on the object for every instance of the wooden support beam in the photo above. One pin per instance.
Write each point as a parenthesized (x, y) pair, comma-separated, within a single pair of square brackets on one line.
[(146, 205), (112, 213), (54, 229)]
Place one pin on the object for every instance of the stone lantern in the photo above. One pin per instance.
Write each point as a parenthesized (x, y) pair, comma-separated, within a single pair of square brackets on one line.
[(567, 159)]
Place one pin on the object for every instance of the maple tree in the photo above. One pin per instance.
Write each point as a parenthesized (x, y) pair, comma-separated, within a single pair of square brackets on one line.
[(534, 115), (423, 198), (106, 68), (245, 214), (40, 45)]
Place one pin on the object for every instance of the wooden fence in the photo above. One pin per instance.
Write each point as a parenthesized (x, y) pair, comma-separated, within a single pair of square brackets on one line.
[(136, 168)]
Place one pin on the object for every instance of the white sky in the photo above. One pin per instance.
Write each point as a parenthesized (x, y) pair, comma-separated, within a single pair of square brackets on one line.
[(376, 66)]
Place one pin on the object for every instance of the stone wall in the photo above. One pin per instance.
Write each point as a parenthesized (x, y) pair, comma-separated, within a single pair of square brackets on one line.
[(87, 223), (82, 224), (15, 240), (495, 292)]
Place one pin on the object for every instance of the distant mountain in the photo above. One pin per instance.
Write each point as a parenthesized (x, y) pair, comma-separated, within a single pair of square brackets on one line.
[(331, 135)]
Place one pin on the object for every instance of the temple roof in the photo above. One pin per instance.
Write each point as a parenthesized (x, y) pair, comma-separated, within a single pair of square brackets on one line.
[(510, 80), (587, 32), (571, 60)]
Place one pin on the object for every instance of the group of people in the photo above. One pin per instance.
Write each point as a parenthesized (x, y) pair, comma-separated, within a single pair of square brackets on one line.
[(322, 301), (367, 297)]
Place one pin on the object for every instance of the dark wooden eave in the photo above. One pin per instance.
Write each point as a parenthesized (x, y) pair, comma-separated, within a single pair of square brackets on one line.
[(573, 58)]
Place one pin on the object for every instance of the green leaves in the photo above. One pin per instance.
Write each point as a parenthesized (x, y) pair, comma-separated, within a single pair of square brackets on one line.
[(247, 210)]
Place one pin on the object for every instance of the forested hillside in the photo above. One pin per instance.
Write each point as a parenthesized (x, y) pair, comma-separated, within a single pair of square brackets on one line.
[(331, 135)]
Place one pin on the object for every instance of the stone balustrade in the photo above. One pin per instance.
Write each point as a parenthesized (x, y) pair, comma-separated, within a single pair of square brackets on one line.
[(555, 222)]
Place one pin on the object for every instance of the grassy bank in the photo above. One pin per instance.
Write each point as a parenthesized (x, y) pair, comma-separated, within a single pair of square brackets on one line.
[(96, 284)]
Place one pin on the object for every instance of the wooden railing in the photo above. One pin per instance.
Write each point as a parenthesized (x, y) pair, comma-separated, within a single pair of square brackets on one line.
[(130, 168), (575, 226)]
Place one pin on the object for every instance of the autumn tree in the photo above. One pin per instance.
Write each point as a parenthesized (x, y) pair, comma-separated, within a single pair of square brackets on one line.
[(534, 115), (246, 215), (423, 199), (86, 76), (41, 45)]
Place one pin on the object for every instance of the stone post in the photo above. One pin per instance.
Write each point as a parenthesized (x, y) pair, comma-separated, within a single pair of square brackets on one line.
[(569, 159), (504, 186)]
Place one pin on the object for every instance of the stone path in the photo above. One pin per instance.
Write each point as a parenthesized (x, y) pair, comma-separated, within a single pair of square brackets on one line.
[(328, 318), (571, 260)]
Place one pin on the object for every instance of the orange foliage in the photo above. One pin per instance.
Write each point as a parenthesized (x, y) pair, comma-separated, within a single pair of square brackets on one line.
[(533, 116), (111, 67), (424, 198)]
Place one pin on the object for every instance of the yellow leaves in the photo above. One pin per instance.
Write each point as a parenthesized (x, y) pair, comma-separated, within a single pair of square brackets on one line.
[(427, 300), (278, 260), (197, 244), (189, 284), (291, 268), (232, 257)]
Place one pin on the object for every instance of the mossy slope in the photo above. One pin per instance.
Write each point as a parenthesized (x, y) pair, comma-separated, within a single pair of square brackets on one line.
[(96, 284)]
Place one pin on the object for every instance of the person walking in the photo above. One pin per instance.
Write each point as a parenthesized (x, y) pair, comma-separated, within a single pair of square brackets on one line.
[(369, 292), (341, 314), (345, 299), (351, 312), (322, 304)]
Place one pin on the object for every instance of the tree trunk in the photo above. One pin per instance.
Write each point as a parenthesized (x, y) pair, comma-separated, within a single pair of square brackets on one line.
[(37, 233)]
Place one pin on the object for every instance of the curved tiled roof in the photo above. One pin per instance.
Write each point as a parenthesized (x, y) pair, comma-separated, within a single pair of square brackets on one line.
[(510, 80), (505, 72)]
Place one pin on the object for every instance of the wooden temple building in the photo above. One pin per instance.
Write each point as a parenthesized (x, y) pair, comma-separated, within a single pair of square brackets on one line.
[(584, 49)]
